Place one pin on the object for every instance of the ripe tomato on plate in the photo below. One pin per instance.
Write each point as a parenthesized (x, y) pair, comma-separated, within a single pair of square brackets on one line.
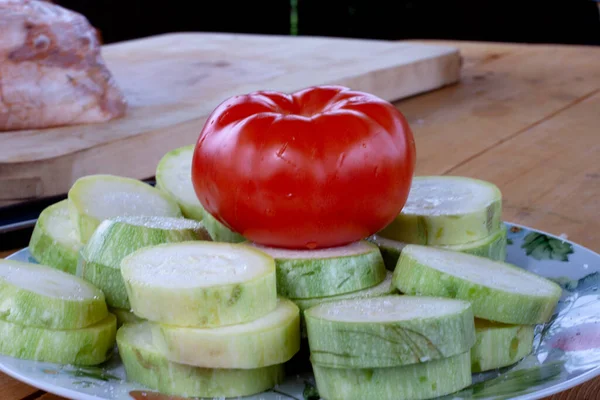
[(322, 167)]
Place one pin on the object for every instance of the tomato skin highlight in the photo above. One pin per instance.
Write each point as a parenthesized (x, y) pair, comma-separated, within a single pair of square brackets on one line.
[(321, 167)]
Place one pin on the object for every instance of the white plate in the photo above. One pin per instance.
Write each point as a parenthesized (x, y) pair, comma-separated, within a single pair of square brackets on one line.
[(566, 354)]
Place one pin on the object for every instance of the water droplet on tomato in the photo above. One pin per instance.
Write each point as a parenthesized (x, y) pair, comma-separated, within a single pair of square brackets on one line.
[(289, 195), (311, 245)]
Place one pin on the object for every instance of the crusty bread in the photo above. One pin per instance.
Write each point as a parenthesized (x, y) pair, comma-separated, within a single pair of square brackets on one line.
[(51, 69)]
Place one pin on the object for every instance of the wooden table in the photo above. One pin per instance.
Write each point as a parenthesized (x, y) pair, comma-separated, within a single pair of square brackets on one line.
[(526, 117)]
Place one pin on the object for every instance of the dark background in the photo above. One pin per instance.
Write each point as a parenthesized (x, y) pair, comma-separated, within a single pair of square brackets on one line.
[(528, 21)]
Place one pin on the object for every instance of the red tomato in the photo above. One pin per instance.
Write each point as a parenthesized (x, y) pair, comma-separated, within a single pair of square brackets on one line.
[(322, 167)]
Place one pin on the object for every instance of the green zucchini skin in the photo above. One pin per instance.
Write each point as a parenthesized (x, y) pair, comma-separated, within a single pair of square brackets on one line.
[(388, 331), (146, 365), (114, 239), (416, 381), (306, 274), (492, 247), (500, 345), (91, 345), (497, 291), (447, 210), (54, 241)]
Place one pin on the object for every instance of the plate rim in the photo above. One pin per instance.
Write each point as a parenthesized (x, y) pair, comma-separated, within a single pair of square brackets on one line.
[(557, 388), (47, 386)]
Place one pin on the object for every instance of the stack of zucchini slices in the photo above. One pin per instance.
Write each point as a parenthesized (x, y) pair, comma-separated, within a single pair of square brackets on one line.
[(52, 316), (507, 301), (455, 213), (408, 313), (462, 308), (390, 347), (216, 327), (196, 318)]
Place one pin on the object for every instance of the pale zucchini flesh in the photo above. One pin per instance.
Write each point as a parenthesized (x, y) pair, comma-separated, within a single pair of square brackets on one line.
[(95, 198), (91, 345), (499, 345), (416, 381), (443, 210), (201, 284), (144, 364), (305, 274), (41, 296), (269, 340), (116, 238), (492, 247), (174, 177), (54, 241), (388, 331), (497, 291)]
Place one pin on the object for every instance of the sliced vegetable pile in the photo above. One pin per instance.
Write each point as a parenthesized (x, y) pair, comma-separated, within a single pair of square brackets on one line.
[(213, 315), (450, 212), (145, 364), (253, 247), (114, 239), (52, 316)]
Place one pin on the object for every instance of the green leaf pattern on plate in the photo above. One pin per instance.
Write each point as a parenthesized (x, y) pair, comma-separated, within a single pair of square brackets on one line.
[(543, 247)]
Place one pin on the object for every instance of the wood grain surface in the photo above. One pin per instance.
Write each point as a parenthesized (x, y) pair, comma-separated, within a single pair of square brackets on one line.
[(172, 82), (525, 117)]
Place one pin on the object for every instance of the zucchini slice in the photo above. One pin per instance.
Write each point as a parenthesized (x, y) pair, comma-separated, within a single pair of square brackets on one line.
[(101, 257), (146, 365), (174, 177), (201, 284), (499, 345), (492, 247), (269, 340), (94, 198), (384, 288), (305, 274), (497, 291), (37, 295), (54, 241), (91, 345), (388, 331), (416, 381), (444, 210)]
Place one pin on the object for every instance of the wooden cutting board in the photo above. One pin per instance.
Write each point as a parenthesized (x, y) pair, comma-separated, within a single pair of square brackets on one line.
[(172, 82)]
